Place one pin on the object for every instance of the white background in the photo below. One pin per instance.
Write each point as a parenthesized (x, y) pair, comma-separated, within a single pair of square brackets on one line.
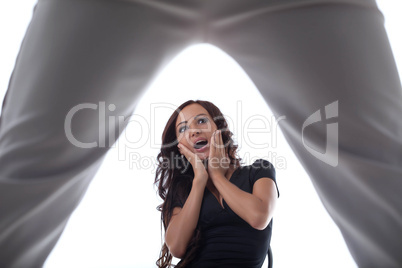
[(117, 225)]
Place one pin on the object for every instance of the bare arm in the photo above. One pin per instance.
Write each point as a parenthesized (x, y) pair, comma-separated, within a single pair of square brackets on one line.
[(184, 220), (256, 208)]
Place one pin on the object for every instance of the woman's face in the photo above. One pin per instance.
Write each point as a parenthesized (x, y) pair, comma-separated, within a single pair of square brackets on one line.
[(194, 128)]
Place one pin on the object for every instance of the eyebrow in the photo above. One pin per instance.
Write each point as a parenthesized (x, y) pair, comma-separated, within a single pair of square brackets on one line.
[(186, 121)]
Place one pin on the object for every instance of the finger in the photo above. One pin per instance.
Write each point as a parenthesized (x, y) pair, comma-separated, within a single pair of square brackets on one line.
[(227, 160), (223, 150), (217, 139), (185, 151), (219, 145), (225, 147), (212, 148), (190, 156), (221, 140)]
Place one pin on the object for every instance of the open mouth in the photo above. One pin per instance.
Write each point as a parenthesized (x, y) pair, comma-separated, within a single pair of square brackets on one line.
[(200, 145)]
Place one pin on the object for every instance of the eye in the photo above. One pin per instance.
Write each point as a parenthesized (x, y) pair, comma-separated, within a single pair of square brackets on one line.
[(182, 129), (202, 120)]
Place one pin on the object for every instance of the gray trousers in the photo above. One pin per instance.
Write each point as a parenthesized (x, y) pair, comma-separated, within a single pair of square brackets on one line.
[(303, 55)]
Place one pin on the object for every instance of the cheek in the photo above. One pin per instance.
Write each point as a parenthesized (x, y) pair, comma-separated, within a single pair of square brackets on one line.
[(183, 140)]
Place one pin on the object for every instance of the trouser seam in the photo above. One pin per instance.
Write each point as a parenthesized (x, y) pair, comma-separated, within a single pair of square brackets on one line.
[(300, 4)]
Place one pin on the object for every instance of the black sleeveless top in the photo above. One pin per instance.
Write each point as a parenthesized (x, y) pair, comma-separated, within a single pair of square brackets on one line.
[(227, 240)]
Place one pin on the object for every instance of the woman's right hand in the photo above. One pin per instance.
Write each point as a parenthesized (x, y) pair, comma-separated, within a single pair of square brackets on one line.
[(200, 173)]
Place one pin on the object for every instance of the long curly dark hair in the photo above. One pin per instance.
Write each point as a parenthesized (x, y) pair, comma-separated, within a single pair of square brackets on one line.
[(174, 180)]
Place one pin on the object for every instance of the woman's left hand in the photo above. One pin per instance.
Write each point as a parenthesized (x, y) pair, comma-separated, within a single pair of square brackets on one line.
[(218, 161)]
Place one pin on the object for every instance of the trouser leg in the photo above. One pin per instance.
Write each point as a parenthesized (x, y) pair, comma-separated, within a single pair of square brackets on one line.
[(80, 64), (333, 58)]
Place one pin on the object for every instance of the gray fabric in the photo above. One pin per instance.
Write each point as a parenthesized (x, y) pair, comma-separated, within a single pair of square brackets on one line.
[(302, 55)]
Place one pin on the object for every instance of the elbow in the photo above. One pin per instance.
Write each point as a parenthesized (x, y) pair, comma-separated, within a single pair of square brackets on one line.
[(259, 225), (176, 251), (261, 221), (176, 245), (173, 244), (175, 248)]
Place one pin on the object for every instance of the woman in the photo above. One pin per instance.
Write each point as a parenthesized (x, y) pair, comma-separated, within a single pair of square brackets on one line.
[(214, 211)]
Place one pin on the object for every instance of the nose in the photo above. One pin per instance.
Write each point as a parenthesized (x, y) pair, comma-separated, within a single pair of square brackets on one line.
[(195, 131)]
